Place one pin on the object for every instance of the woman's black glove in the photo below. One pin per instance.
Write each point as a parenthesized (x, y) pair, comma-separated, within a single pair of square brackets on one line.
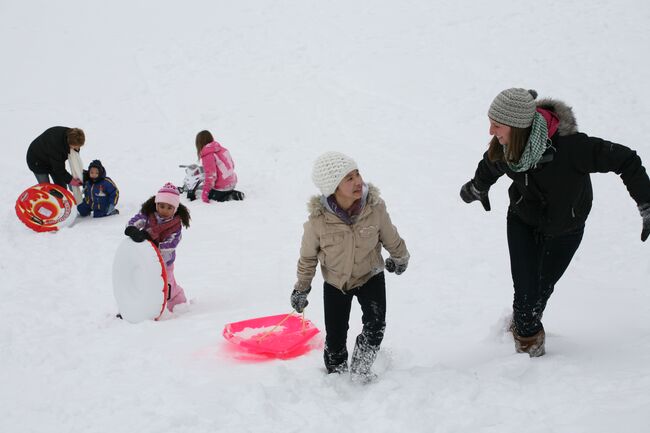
[(136, 234), (644, 210), (470, 193)]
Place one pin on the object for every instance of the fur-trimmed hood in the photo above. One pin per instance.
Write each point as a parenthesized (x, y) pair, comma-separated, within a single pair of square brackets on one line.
[(315, 205), (568, 124)]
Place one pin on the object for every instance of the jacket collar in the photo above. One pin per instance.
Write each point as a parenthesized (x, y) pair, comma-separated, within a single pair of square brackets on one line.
[(566, 124), (317, 204)]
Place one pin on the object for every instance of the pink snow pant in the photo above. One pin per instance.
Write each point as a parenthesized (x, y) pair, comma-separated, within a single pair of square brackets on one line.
[(177, 294)]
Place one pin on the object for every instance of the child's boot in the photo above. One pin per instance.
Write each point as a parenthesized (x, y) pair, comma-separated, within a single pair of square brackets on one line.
[(335, 361), (363, 357)]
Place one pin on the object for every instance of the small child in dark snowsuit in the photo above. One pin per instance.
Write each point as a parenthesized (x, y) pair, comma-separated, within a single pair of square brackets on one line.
[(100, 193)]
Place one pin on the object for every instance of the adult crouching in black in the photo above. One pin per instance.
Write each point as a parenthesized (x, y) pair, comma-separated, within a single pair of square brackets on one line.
[(48, 152)]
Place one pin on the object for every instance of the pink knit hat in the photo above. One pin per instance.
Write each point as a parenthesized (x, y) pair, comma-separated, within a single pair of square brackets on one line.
[(169, 194)]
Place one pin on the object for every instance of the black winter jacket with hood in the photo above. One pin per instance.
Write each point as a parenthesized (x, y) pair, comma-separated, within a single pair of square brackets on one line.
[(48, 153), (555, 196)]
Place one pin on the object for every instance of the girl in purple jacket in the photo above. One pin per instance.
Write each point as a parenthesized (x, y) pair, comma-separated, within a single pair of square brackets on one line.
[(160, 220)]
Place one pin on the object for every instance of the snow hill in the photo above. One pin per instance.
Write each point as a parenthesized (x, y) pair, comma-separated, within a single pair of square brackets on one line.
[(402, 87)]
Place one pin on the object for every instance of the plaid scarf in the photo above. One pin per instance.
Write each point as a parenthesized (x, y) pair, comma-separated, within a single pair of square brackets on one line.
[(160, 230), (537, 144)]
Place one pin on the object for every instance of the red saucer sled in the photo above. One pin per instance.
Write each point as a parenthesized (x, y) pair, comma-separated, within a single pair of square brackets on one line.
[(46, 207), (282, 336), (139, 281)]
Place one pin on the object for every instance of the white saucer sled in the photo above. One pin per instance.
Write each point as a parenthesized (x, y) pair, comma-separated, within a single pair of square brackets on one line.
[(139, 281)]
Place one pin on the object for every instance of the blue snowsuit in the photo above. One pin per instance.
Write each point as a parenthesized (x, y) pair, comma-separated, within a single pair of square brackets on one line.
[(100, 195)]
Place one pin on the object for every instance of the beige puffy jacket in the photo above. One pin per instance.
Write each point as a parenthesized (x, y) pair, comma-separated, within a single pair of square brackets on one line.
[(349, 255)]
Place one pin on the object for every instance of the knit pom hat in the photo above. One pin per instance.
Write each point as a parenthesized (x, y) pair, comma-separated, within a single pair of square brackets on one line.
[(169, 194), (329, 170), (514, 107)]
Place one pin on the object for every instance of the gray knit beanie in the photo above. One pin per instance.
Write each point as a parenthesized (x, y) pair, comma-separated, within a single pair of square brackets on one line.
[(329, 170), (514, 107)]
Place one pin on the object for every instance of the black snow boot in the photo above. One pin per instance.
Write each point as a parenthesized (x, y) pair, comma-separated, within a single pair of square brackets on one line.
[(335, 361), (363, 357), (237, 195)]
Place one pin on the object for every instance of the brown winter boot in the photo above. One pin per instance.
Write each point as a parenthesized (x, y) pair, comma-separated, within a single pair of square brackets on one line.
[(533, 345)]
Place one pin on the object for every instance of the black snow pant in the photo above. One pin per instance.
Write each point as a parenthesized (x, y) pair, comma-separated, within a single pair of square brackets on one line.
[(537, 262), (372, 298)]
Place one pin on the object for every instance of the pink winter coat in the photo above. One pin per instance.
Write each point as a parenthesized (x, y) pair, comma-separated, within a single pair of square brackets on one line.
[(219, 169)]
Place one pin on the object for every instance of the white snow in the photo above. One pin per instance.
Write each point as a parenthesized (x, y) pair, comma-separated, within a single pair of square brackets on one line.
[(402, 87)]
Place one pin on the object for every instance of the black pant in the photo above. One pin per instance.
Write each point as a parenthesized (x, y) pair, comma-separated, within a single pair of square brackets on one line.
[(537, 262), (372, 298)]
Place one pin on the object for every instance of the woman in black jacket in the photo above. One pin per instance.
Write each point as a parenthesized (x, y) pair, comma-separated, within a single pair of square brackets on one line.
[(48, 152), (538, 146)]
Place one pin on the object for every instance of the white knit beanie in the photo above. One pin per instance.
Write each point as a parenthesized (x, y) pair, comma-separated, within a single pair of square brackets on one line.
[(329, 170)]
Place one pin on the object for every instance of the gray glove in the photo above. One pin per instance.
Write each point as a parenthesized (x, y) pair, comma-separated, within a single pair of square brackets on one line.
[(396, 265), (470, 193), (644, 210), (299, 299)]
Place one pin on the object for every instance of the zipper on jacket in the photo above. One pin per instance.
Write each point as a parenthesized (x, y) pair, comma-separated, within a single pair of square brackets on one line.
[(573, 213), (526, 179)]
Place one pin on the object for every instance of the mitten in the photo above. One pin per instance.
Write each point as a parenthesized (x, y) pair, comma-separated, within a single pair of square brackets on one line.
[(396, 265), (470, 193), (299, 299), (135, 234), (75, 182), (644, 210)]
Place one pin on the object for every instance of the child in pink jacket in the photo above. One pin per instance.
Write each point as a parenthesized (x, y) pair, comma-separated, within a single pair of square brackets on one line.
[(219, 169)]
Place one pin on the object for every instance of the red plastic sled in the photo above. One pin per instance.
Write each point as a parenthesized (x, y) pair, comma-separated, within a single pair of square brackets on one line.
[(282, 336), (46, 207)]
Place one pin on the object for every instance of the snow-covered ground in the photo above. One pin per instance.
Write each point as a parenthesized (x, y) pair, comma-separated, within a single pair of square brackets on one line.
[(403, 87)]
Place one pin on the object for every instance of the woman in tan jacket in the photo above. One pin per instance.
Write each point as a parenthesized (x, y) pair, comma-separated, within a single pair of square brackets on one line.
[(348, 225)]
